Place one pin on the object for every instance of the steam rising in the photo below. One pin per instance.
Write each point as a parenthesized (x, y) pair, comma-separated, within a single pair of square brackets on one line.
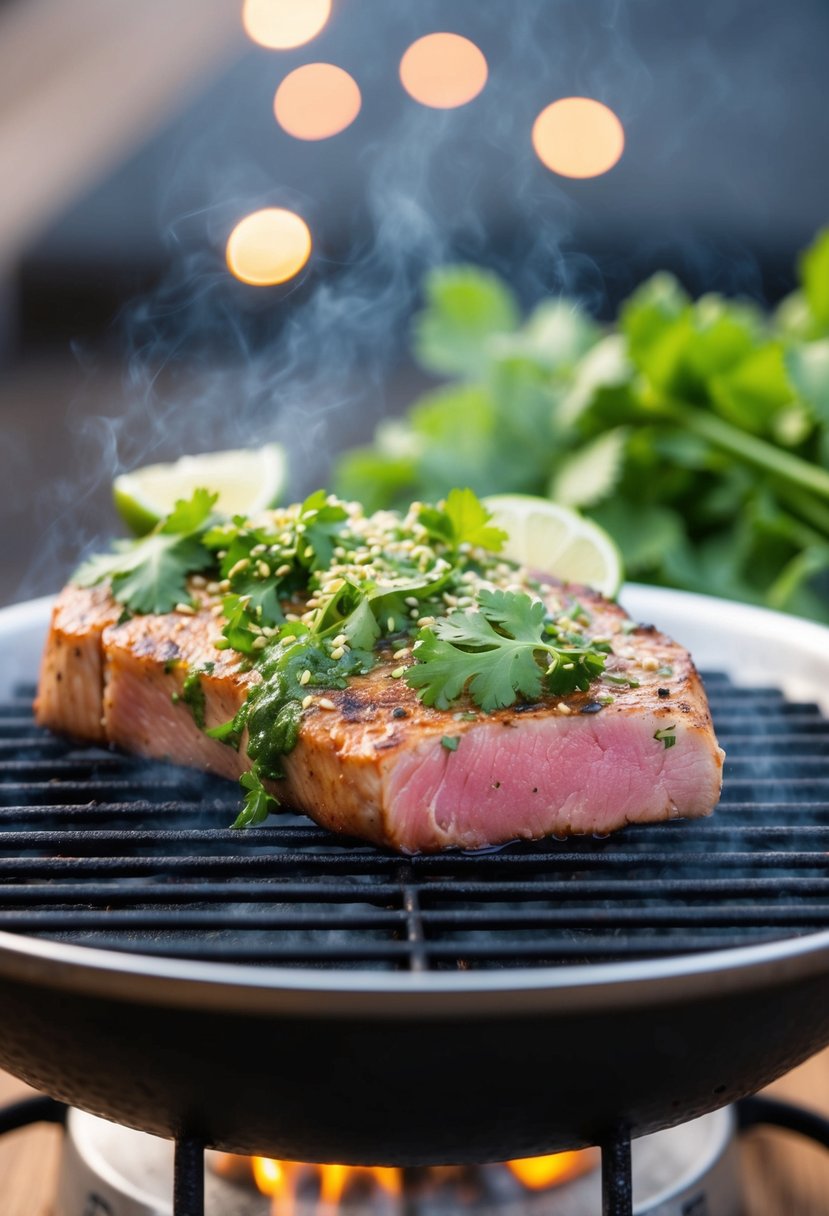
[(211, 363)]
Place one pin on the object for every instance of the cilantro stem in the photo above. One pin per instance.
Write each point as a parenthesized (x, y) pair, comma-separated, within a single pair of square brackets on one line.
[(739, 443), (809, 510)]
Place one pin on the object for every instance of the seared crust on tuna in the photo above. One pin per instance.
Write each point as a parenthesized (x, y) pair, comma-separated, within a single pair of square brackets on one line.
[(372, 761)]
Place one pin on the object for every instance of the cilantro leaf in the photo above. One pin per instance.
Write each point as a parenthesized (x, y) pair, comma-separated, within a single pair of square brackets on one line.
[(498, 653), (814, 273), (463, 520), (189, 515), (808, 368), (465, 306), (257, 804), (150, 574), (470, 521)]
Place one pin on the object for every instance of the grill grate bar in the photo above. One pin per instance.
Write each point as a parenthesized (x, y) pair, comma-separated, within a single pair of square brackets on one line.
[(324, 890), (457, 953), (417, 923), (96, 839), (368, 864)]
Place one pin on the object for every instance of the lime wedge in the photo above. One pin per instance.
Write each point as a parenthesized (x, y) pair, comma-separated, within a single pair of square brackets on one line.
[(557, 540), (247, 480)]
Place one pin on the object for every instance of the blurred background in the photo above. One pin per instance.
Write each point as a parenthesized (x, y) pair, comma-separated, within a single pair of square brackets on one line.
[(136, 138)]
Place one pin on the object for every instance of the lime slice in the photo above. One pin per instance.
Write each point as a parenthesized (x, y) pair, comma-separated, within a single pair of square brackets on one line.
[(556, 540), (247, 480)]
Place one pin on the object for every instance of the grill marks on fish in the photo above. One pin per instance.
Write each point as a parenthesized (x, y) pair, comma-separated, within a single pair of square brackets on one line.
[(377, 766)]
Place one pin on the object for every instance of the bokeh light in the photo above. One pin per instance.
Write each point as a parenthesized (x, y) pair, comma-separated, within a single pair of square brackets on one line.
[(268, 247), (578, 137), (282, 24), (317, 101), (443, 71)]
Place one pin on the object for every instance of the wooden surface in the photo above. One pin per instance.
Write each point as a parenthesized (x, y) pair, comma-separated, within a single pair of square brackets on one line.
[(783, 1176)]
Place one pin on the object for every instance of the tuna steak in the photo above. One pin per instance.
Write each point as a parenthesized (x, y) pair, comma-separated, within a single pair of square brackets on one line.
[(371, 761)]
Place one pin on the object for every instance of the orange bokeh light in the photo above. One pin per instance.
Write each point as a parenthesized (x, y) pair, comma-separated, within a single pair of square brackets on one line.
[(316, 101), (443, 71), (268, 247), (578, 137), (282, 24)]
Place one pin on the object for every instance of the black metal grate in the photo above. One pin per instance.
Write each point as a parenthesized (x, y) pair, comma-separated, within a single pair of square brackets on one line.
[(99, 849)]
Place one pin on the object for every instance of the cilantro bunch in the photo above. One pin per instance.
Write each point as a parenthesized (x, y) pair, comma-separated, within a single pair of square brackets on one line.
[(695, 432)]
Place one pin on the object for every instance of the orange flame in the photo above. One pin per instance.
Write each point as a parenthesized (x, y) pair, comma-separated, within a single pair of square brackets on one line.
[(281, 1179), (539, 1173)]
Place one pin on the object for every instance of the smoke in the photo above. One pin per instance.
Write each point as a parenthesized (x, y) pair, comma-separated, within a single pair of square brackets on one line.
[(210, 363)]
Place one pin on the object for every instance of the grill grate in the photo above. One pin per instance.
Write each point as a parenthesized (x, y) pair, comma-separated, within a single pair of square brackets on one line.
[(103, 850)]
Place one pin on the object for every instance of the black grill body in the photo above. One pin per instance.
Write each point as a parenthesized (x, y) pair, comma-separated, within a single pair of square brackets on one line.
[(286, 992)]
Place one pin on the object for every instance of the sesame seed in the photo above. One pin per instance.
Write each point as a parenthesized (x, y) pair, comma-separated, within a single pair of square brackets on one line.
[(411, 601), (213, 588), (390, 624), (259, 643), (650, 664), (282, 570), (305, 677), (224, 585), (337, 652), (307, 700), (340, 640), (326, 703), (241, 565), (198, 580), (563, 709), (397, 673), (187, 609), (264, 569), (424, 621), (258, 550), (402, 653)]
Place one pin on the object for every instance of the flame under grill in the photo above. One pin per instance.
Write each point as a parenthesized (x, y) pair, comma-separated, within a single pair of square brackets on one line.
[(103, 850)]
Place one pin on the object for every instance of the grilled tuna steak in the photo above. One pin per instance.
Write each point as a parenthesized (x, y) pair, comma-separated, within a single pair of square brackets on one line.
[(371, 760)]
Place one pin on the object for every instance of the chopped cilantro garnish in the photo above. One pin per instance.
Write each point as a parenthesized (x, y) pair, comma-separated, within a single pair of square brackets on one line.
[(666, 736), (450, 742), (463, 520), (149, 575), (192, 693), (258, 803), (627, 681), (499, 652)]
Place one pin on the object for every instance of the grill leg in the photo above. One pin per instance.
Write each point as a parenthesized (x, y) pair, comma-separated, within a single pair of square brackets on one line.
[(617, 1185), (188, 1177)]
